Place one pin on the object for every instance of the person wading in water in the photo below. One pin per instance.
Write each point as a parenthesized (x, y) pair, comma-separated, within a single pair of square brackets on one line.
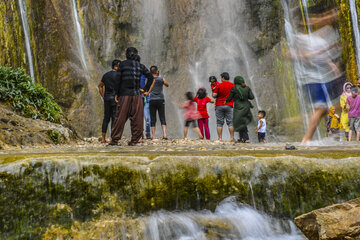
[(128, 96)]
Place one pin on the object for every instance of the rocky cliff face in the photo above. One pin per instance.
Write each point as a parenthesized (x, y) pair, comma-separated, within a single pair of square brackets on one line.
[(189, 36)]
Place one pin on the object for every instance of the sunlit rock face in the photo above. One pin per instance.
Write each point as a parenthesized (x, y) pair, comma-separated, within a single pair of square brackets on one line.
[(188, 40)]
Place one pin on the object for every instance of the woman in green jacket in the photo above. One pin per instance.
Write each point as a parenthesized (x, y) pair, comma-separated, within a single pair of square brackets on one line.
[(242, 114)]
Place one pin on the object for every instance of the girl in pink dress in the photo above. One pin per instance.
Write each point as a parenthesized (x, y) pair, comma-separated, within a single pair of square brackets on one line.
[(191, 115)]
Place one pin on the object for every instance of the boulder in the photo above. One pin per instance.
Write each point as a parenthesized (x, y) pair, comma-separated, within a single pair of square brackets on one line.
[(339, 221)]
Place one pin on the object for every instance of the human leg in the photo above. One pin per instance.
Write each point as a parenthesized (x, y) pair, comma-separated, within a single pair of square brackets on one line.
[(229, 113), (220, 116), (147, 119), (351, 128), (153, 108), (106, 120), (357, 128), (161, 110), (122, 114), (314, 121), (136, 118), (201, 123), (206, 126)]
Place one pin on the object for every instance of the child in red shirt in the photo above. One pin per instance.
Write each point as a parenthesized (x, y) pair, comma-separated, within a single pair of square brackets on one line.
[(202, 99), (214, 82)]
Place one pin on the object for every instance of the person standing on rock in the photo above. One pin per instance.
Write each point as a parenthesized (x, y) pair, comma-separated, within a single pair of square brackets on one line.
[(129, 101), (143, 81), (241, 94), (109, 81), (157, 101), (224, 111)]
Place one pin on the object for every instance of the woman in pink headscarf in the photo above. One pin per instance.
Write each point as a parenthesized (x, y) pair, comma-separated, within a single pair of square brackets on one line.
[(344, 119)]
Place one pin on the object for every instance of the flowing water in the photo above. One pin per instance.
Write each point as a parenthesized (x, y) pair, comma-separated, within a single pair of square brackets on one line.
[(154, 25), (26, 28), (355, 23), (229, 221), (80, 38)]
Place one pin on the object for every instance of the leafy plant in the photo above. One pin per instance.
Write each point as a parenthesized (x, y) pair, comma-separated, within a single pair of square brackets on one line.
[(28, 98), (54, 135)]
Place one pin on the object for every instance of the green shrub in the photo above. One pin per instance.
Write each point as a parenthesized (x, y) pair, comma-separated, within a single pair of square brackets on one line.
[(55, 136), (27, 98)]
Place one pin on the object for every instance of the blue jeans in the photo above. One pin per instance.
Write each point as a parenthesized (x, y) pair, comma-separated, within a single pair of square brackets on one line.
[(147, 117)]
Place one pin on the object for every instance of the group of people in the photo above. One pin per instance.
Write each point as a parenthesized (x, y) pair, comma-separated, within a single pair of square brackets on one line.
[(232, 105), (349, 120), (133, 91)]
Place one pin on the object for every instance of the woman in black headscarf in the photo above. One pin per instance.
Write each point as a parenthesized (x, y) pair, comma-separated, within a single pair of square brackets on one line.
[(242, 114)]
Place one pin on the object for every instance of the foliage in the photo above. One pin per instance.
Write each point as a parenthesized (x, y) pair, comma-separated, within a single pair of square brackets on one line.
[(54, 135), (31, 100)]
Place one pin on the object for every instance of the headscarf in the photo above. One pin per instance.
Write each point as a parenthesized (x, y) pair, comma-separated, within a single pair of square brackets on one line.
[(335, 124), (238, 80), (346, 94)]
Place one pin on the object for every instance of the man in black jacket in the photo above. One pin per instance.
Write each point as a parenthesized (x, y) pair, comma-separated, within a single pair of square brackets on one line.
[(128, 97)]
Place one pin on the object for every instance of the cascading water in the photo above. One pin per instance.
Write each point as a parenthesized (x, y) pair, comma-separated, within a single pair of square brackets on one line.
[(26, 28), (229, 221), (153, 31), (354, 20), (80, 37)]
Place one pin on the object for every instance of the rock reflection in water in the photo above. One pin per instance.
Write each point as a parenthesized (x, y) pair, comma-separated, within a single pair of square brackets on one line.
[(229, 221)]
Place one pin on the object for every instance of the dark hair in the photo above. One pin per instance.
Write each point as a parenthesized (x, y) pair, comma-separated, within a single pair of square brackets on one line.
[(201, 93), (131, 53), (354, 89), (225, 75), (262, 112), (154, 69), (137, 58), (212, 78), (189, 96), (115, 63)]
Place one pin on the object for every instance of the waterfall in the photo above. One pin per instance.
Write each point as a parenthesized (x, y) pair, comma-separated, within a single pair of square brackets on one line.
[(80, 37), (354, 20), (229, 221), (225, 48), (26, 28), (153, 31)]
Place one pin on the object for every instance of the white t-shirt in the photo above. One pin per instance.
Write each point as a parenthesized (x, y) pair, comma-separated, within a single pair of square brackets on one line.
[(263, 127)]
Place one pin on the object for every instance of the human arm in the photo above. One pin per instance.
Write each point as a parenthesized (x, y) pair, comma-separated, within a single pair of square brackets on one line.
[(231, 96), (260, 126), (210, 100), (166, 83), (251, 95), (149, 76), (101, 89)]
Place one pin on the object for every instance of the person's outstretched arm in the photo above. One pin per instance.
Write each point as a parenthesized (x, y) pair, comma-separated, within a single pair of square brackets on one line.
[(101, 89), (149, 76), (166, 83)]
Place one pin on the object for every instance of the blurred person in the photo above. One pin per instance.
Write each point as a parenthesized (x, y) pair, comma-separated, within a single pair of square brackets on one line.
[(191, 115)]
